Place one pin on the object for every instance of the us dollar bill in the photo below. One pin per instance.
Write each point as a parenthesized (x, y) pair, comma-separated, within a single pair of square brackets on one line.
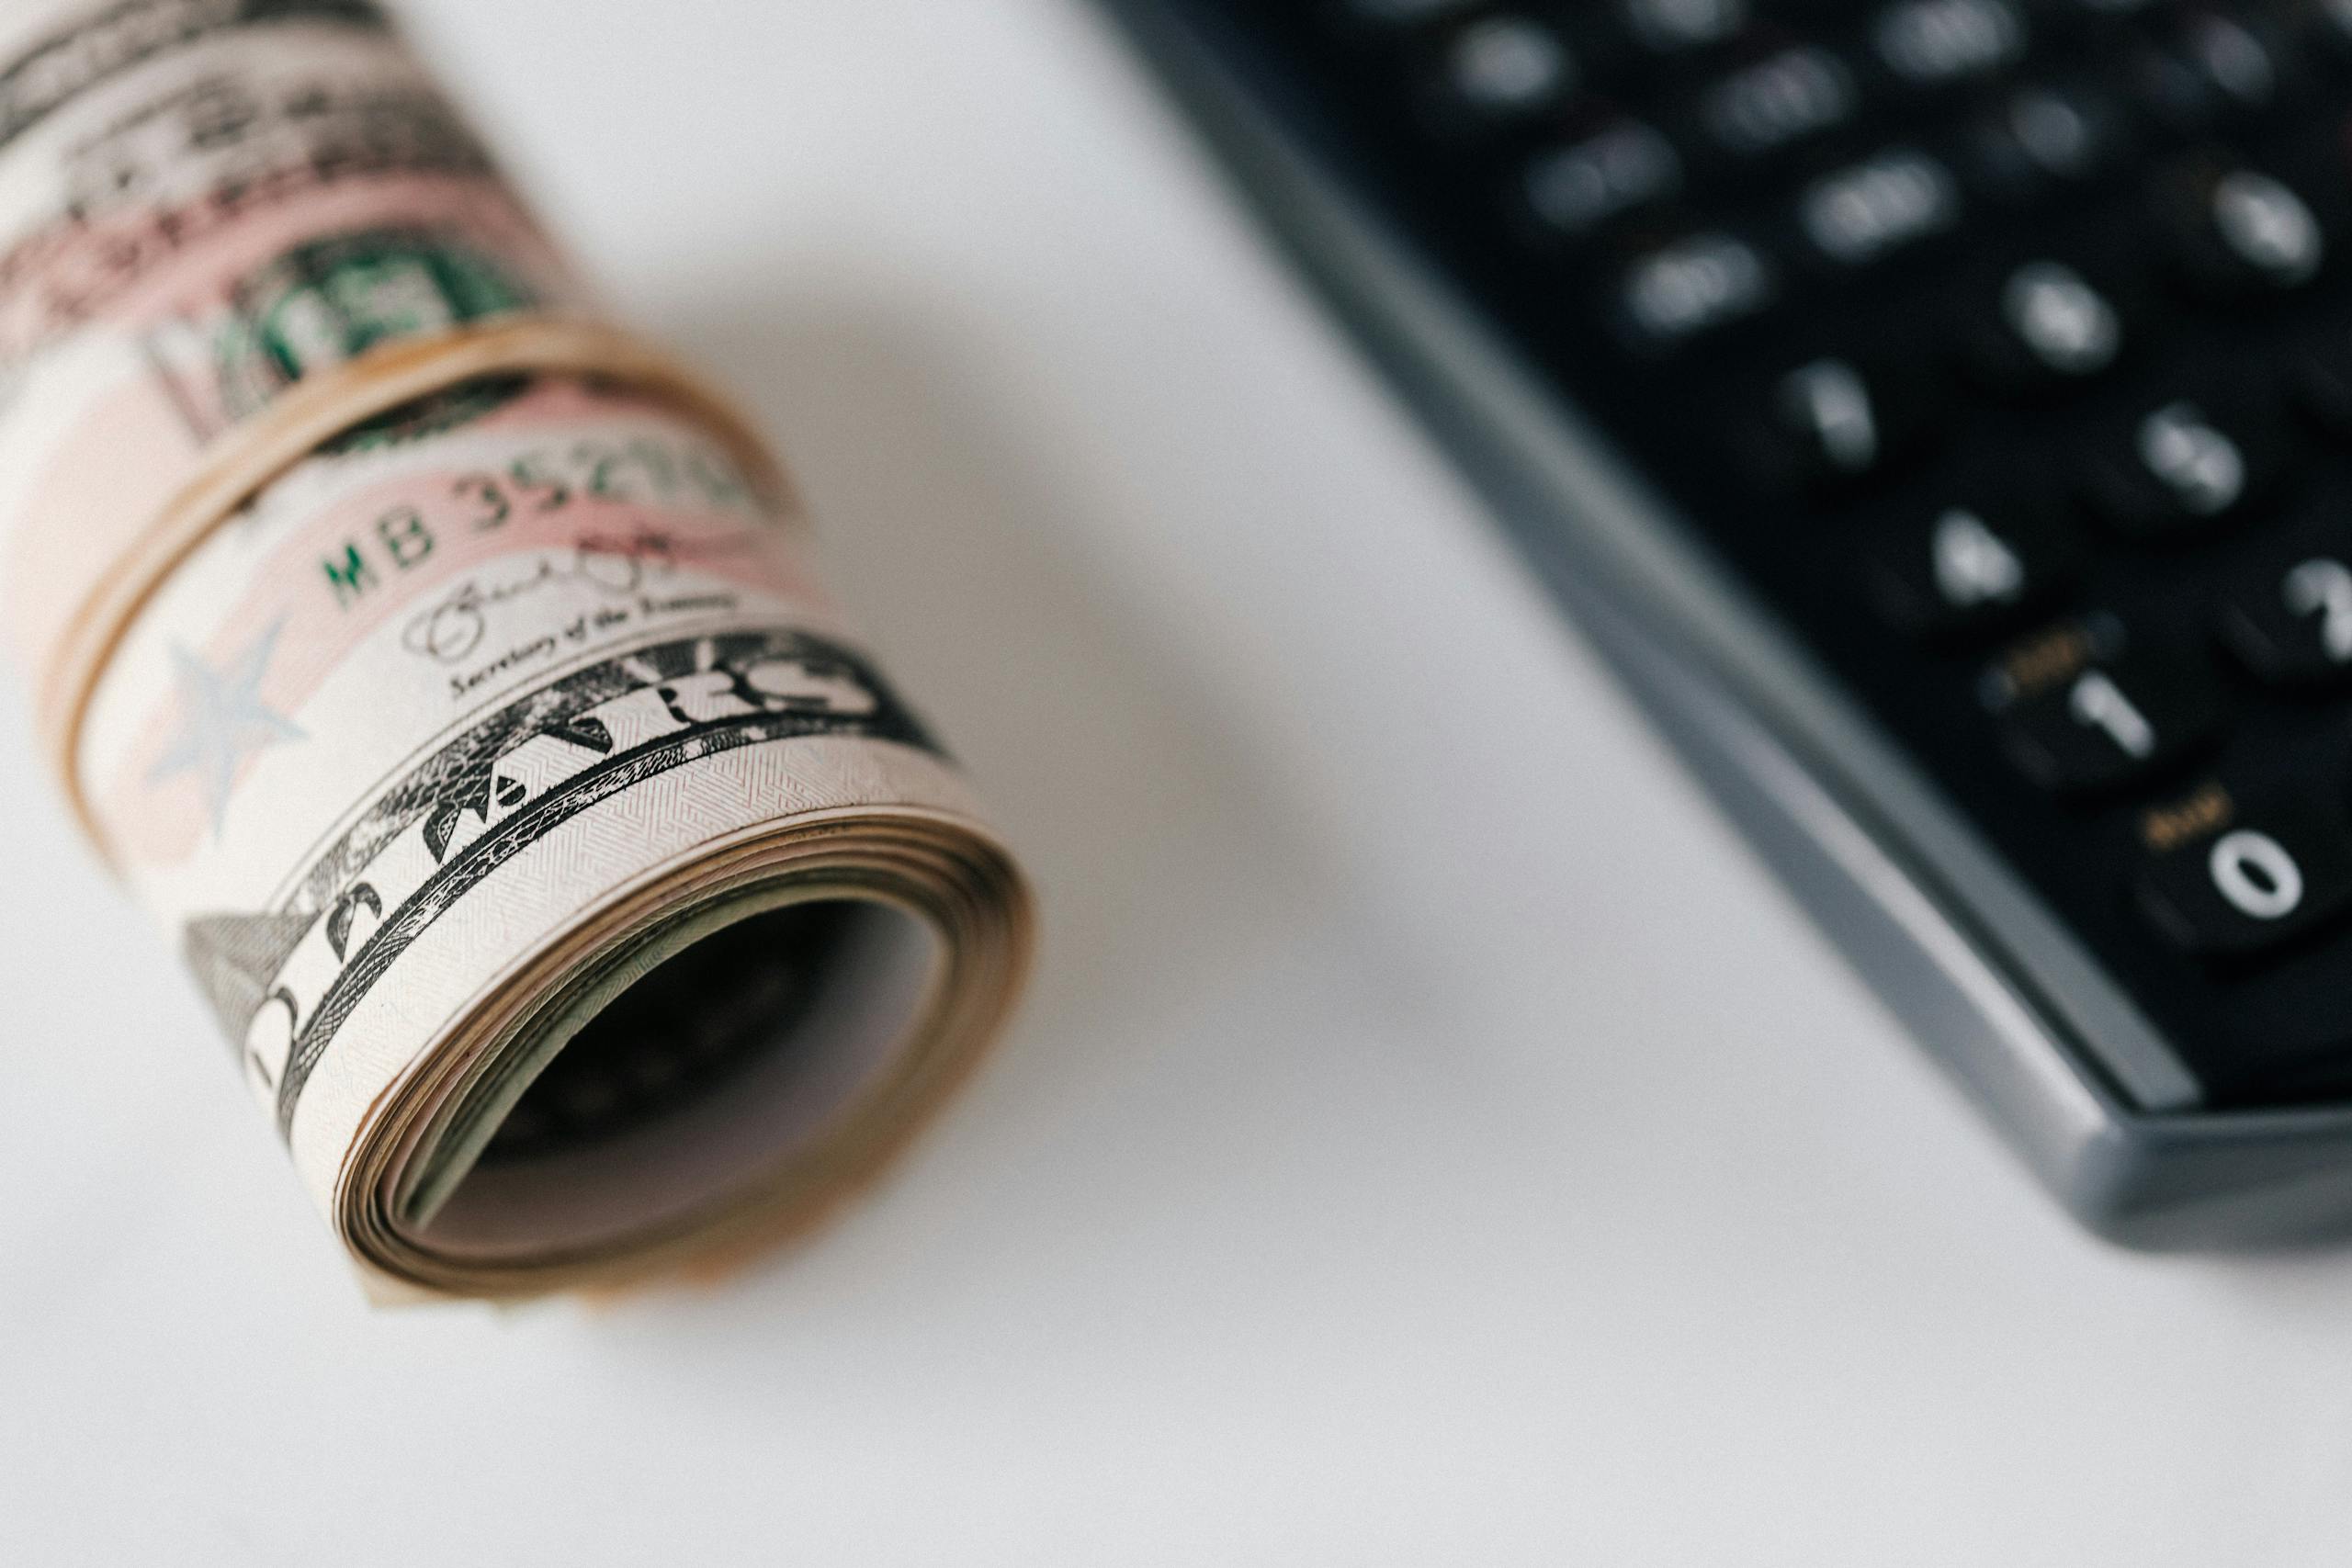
[(202, 202), (572, 890)]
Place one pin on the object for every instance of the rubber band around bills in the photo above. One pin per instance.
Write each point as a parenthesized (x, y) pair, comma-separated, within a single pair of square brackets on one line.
[(310, 416)]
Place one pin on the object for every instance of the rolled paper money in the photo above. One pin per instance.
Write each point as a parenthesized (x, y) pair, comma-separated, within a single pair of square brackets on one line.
[(443, 670)]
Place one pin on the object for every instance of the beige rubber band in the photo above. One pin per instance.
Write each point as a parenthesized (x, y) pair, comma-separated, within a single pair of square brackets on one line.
[(315, 413)]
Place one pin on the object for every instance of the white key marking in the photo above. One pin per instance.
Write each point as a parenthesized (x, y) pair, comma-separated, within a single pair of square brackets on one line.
[(2324, 588), (1972, 564), (2257, 875), (2098, 700), (2204, 467)]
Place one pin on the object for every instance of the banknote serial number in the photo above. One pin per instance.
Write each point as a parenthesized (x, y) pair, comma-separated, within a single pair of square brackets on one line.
[(536, 486)]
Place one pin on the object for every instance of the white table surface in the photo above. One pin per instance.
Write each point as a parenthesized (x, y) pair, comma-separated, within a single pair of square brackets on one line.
[(1432, 1140)]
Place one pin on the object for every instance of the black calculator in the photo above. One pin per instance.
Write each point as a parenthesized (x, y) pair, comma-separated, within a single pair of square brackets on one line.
[(1941, 413)]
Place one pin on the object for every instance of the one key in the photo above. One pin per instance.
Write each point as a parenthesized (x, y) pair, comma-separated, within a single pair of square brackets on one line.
[(2185, 464), (2226, 880), (2239, 234), (2042, 327), (2083, 723), (1959, 572), (1833, 423), (2288, 617)]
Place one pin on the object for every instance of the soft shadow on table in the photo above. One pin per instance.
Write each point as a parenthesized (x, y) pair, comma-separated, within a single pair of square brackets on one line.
[(1170, 851), (1162, 852)]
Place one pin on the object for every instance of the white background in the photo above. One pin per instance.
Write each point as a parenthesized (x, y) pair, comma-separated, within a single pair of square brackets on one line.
[(1432, 1140)]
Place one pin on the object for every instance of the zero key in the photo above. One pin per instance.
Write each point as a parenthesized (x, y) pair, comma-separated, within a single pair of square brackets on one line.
[(2257, 878)]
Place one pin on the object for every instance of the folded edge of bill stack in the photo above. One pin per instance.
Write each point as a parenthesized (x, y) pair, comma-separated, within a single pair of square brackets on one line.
[(443, 667)]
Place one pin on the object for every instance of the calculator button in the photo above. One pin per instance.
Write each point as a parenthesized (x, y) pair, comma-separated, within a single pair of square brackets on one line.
[(2288, 617), (1963, 570), (1779, 101), (1672, 25), (1506, 68), (1927, 43), (2186, 464), (2043, 326), (2114, 721), (1573, 189), (2237, 232), (1858, 214), (1694, 286), (1832, 424), (2257, 878), (2209, 67), (2042, 136)]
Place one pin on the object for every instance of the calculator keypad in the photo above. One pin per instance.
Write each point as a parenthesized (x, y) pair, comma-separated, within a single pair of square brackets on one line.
[(2002, 348)]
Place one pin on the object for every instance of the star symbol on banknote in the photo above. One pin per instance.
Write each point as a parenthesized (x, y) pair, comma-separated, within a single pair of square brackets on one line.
[(222, 721)]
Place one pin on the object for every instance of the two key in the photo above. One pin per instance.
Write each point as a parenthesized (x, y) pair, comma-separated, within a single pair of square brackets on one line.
[(2287, 616)]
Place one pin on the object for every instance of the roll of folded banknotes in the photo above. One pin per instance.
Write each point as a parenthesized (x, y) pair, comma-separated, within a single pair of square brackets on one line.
[(443, 667)]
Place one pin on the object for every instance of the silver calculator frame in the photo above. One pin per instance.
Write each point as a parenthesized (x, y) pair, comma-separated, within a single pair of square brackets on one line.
[(2075, 1078)]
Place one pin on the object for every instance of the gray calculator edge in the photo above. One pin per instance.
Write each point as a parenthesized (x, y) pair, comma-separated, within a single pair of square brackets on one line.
[(2060, 1059)]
